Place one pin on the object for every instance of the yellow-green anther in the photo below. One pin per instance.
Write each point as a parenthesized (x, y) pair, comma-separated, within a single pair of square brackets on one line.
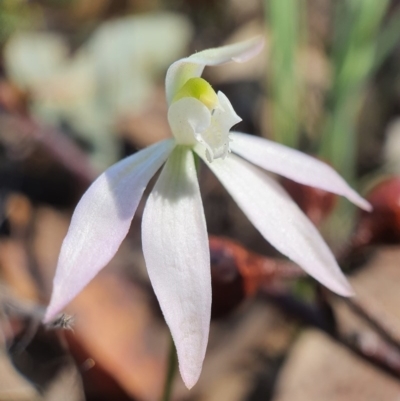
[(200, 89)]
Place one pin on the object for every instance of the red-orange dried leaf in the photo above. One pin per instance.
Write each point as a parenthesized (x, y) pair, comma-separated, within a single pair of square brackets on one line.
[(316, 203), (238, 273), (12, 99), (382, 225)]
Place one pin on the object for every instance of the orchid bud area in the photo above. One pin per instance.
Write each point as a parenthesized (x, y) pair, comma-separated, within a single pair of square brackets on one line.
[(199, 89), (198, 115)]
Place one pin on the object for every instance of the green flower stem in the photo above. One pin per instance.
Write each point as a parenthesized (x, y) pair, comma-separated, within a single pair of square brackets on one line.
[(196, 162), (171, 370)]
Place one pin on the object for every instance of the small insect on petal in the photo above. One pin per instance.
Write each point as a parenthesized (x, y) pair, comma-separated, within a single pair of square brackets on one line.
[(63, 321)]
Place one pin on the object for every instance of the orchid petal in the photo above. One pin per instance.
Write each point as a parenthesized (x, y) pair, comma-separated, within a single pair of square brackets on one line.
[(279, 220), (193, 66), (293, 164), (187, 117), (176, 250), (101, 221), (191, 121), (216, 137)]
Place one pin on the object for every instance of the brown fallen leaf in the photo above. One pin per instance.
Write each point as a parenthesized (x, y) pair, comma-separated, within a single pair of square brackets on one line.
[(316, 203), (375, 309), (382, 225), (14, 270), (238, 273), (320, 369), (117, 327)]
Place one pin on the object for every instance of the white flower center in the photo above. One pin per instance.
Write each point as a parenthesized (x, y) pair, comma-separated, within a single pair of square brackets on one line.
[(198, 115)]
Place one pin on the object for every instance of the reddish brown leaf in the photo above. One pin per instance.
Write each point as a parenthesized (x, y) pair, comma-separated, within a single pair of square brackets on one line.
[(382, 225), (316, 203), (238, 273)]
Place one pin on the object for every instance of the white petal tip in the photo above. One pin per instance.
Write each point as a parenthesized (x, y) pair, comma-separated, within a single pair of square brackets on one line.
[(189, 379), (55, 306), (342, 287), (53, 309), (365, 205), (252, 51), (49, 316), (355, 198), (346, 292)]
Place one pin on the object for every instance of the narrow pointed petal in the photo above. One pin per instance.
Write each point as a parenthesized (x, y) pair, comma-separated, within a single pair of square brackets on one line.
[(193, 66), (295, 165), (101, 221), (279, 220), (176, 251)]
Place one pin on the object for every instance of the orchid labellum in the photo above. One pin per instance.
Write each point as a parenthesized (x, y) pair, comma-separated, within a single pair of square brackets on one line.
[(175, 242)]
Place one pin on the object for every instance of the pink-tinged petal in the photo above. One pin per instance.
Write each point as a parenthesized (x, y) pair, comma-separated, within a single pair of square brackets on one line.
[(279, 220), (193, 66), (101, 221), (295, 165), (176, 250)]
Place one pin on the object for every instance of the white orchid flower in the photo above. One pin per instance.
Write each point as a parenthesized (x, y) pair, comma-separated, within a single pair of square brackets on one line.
[(175, 242)]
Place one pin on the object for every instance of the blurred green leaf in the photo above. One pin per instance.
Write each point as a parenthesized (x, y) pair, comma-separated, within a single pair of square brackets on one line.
[(16, 15), (388, 38), (284, 23), (354, 50)]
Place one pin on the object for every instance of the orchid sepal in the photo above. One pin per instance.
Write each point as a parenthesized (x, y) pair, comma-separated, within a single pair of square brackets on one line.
[(190, 67), (101, 221)]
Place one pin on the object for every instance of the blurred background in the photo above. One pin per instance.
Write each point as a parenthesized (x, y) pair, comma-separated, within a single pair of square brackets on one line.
[(82, 86)]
